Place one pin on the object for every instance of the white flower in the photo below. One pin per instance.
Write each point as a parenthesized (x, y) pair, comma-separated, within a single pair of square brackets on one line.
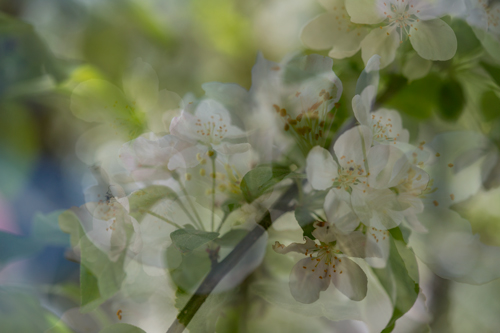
[(325, 262), (391, 169), (484, 18), (147, 157), (334, 30), (398, 20), (288, 102), (349, 171), (209, 128), (105, 218), (386, 125)]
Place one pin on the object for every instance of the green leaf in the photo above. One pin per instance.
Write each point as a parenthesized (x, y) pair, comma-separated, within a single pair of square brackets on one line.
[(189, 239), (262, 179), (399, 278), (122, 328), (232, 237), (419, 98), (490, 106), (451, 100), (229, 206), (416, 67), (89, 288), (109, 274), (143, 200), (493, 71), (192, 269), (306, 219), (468, 43)]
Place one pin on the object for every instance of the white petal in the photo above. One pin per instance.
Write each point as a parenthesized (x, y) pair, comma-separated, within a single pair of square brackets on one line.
[(295, 247), (350, 279), (232, 148), (349, 146), (369, 77), (388, 165), (318, 34), (348, 44), (433, 40), (331, 5), (321, 169), (307, 279), (339, 212), (378, 245), (324, 232), (365, 11), (362, 104), (384, 42), (353, 244), (187, 158), (184, 127), (431, 9)]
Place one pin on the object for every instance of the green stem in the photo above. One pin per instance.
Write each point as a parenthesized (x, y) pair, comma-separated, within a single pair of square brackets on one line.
[(163, 219), (212, 157), (220, 270), (195, 212), (222, 222)]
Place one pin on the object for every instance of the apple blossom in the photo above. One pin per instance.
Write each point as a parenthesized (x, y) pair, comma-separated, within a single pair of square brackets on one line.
[(207, 130), (398, 20), (350, 171), (327, 262)]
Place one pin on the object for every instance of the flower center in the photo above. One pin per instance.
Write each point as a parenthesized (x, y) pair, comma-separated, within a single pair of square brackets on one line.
[(382, 130), (349, 176), (326, 253), (401, 16), (212, 129)]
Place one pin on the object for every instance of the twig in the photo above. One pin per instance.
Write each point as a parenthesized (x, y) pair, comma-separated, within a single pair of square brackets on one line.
[(220, 270)]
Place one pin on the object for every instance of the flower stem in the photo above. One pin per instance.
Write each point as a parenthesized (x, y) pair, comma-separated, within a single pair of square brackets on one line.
[(195, 212), (220, 270), (163, 219), (213, 156)]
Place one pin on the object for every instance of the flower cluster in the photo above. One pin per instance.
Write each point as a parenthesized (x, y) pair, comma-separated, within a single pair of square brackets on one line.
[(216, 172)]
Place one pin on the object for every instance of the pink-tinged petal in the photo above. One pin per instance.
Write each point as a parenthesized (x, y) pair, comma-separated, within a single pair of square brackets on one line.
[(350, 145), (307, 279), (383, 42), (184, 127), (295, 247), (350, 279), (321, 169), (339, 212)]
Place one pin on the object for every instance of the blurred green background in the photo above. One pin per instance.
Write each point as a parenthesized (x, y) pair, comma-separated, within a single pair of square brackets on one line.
[(47, 47)]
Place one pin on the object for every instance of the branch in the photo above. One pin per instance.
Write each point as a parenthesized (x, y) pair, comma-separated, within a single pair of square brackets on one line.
[(220, 270)]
